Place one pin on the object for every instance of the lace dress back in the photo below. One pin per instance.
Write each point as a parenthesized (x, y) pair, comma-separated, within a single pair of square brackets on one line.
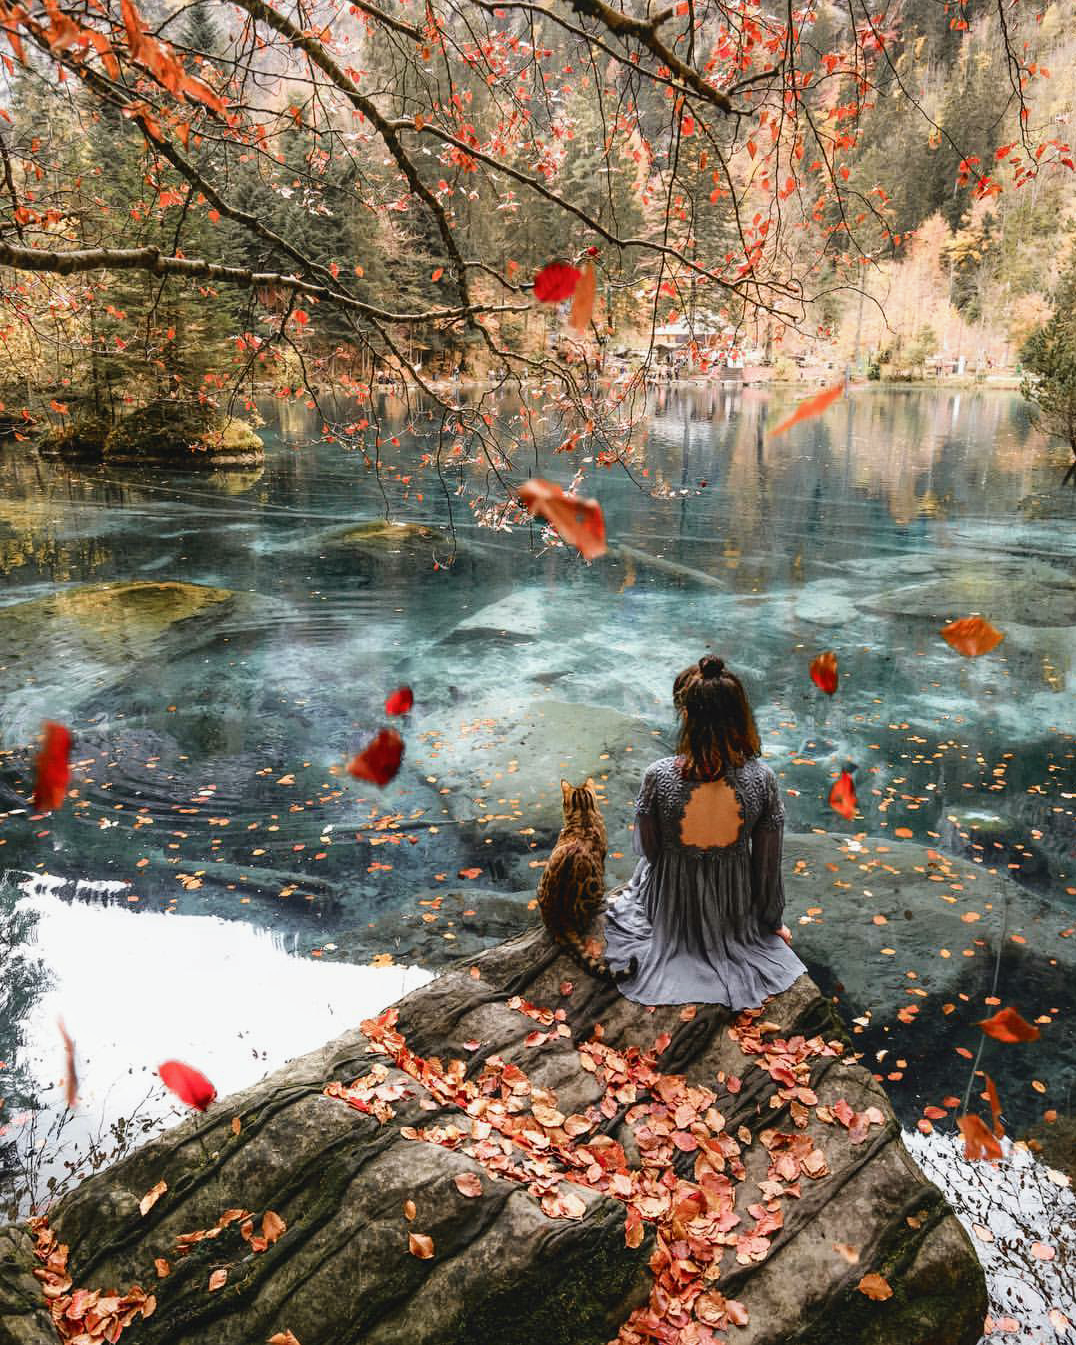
[(701, 910)]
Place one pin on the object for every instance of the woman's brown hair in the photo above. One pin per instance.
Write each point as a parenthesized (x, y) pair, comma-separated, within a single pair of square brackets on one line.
[(717, 727)]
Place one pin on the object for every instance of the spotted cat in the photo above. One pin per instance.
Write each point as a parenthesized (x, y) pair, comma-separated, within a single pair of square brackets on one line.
[(572, 890)]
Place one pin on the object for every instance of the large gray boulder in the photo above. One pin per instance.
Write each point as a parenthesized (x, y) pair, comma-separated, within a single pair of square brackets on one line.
[(474, 1136)]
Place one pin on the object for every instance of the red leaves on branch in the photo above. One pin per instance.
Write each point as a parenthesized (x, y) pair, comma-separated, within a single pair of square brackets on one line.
[(380, 759), (189, 1085), (842, 797), (813, 406), (400, 701), (583, 300), (823, 672), (971, 635), (163, 65), (577, 520), (556, 282), (1007, 1025), (978, 1141), (53, 770)]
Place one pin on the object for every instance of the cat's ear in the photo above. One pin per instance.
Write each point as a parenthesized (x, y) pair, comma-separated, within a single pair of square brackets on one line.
[(588, 783)]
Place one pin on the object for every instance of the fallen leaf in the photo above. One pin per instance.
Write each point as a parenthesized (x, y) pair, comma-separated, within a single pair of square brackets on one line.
[(578, 521), (400, 701), (188, 1084), (272, 1226), (380, 759), (971, 635), (162, 1267), (1007, 1025), (284, 1338), (823, 672), (468, 1184), (556, 282), (850, 1253), (409, 1210), (875, 1286), (420, 1245), (150, 1199), (469, 873), (813, 406), (53, 771), (842, 797), (218, 1280)]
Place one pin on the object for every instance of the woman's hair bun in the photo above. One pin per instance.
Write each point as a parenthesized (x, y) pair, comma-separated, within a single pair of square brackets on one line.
[(710, 665)]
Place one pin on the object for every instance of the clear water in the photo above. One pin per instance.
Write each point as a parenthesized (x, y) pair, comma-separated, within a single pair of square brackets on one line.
[(209, 752)]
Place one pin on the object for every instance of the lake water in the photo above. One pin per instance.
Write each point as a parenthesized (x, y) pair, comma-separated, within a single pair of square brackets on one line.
[(215, 702)]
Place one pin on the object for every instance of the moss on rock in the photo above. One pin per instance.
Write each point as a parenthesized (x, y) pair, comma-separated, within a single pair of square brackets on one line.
[(183, 434)]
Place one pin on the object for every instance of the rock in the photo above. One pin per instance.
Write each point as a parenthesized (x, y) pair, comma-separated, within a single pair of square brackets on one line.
[(1029, 592), (382, 537), (821, 605), (75, 441), (181, 435), (503, 764), (503, 1270), (998, 841)]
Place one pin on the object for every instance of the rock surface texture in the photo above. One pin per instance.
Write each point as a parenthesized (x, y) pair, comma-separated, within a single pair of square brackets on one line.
[(529, 1157)]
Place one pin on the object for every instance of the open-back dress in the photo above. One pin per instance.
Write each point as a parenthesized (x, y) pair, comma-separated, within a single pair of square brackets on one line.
[(701, 910)]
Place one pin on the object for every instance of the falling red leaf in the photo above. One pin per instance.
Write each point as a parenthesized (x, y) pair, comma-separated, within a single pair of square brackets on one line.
[(583, 300), (436, 276), (842, 797), (189, 1085), (53, 771), (399, 701), (577, 520), (971, 635), (995, 1106), (978, 1141), (813, 406), (380, 759), (823, 672), (70, 1077), (556, 282), (420, 1245), (875, 1286), (1007, 1025)]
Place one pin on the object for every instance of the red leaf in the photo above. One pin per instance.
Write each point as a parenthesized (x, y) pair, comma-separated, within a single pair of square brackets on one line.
[(813, 406), (583, 300), (380, 759), (842, 797), (978, 1141), (53, 771), (469, 873), (971, 635), (70, 1077), (1007, 1025), (437, 274), (301, 316), (399, 701), (555, 282), (995, 1106), (577, 520), (189, 1085), (823, 672)]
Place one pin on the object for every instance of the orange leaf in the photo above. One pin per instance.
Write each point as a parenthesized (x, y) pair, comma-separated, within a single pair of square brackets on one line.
[(971, 635), (1007, 1025), (813, 406), (284, 1338), (823, 672), (583, 300), (437, 274), (995, 1106), (380, 759), (218, 1280), (875, 1286), (409, 1210), (468, 1184), (420, 1245), (469, 873), (53, 771), (150, 1199), (577, 520), (70, 1077), (272, 1226), (978, 1141), (842, 797)]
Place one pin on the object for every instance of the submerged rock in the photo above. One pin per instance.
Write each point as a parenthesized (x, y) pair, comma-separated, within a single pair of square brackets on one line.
[(1028, 592), (997, 841), (522, 1237)]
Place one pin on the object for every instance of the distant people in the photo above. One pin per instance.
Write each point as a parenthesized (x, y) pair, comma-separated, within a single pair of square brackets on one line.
[(703, 912)]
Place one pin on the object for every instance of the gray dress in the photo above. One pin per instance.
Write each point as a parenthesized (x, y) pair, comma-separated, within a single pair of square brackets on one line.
[(701, 921)]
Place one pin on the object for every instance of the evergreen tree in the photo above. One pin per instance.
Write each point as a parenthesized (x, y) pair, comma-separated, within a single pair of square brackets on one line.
[(1049, 356)]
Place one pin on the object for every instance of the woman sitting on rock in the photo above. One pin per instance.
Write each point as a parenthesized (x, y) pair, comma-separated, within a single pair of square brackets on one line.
[(702, 913)]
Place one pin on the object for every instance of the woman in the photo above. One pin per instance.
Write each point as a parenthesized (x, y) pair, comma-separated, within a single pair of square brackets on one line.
[(703, 910)]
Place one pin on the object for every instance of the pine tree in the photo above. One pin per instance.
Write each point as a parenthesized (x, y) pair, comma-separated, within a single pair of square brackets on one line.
[(1049, 357)]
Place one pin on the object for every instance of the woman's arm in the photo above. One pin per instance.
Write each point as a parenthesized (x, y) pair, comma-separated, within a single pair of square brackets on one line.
[(646, 837), (766, 842)]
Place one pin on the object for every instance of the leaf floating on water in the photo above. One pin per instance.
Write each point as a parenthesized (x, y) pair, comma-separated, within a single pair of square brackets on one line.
[(556, 282), (189, 1085), (578, 521), (875, 1286), (150, 1199), (380, 759), (469, 873), (420, 1245), (823, 672), (971, 636), (1007, 1025), (583, 300), (400, 701), (813, 406), (842, 797), (70, 1076), (978, 1140), (53, 770)]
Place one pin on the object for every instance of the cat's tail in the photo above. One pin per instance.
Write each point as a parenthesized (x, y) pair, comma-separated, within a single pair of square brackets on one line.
[(576, 947)]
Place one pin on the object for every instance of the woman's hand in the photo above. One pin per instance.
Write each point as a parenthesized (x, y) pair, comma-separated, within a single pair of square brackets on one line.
[(785, 933)]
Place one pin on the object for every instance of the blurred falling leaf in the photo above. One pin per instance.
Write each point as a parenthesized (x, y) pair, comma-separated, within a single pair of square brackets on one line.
[(70, 1076), (400, 701), (971, 635), (978, 1140), (583, 300), (380, 759), (53, 771), (577, 520), (556, 282), (823, 672), (842, 797), (1007, 1025), (188, 1084), (813, 406)]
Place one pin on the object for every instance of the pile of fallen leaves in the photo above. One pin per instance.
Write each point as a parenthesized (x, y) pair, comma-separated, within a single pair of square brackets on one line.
[(85, 1315), (514, 1130)]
